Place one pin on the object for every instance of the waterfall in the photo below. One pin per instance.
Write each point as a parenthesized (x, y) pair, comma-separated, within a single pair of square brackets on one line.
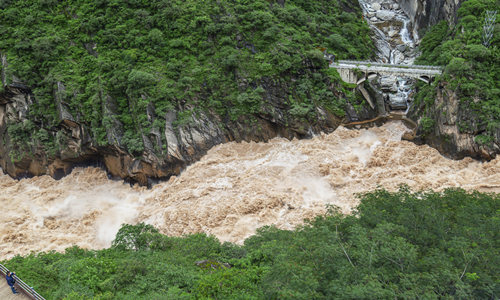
[(391, 31), (405, 34)]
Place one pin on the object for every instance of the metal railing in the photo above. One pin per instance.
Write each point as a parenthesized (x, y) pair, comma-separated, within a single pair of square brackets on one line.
[(28, 290)]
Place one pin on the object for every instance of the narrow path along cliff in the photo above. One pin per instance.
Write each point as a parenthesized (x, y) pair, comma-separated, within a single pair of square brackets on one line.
[(233, 190), (6, 292)]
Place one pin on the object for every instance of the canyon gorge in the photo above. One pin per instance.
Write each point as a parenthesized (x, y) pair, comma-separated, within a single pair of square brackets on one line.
[(272, 170)]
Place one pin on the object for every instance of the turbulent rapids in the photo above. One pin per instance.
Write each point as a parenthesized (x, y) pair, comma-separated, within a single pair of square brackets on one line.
[(233, 190)]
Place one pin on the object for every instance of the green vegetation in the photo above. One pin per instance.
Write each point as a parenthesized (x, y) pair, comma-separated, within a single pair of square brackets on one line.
[(472, 70), (190, 55), (427, 124), (401, 245)]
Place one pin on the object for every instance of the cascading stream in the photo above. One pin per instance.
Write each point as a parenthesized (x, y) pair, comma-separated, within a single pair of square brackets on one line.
[(394, 45), (234, 189)]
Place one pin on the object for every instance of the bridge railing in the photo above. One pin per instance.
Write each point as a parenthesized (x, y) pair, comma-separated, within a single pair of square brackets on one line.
[(370, 63), (28, 290)]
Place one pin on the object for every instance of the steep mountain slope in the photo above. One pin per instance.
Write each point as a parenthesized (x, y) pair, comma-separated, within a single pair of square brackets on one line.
[(147, 87), (459, 114)]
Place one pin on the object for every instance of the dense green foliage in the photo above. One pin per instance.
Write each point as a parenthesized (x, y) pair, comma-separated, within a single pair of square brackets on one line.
[(189, 55), (397, 245), (472, 70)]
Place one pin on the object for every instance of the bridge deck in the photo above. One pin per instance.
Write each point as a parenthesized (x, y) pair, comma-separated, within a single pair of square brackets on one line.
[(386, 68), (371, 63)]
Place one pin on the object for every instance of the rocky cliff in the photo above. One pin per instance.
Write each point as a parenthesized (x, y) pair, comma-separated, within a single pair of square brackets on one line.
[(426, 13), (145, 87), (143, 119), (459, 113), (452, 128), (167, 150)]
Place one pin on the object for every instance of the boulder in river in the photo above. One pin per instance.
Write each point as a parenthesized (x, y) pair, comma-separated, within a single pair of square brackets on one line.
[(397, 102), (388, 83)]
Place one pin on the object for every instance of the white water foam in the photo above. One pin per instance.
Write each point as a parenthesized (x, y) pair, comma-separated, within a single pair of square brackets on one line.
[(233, 190)]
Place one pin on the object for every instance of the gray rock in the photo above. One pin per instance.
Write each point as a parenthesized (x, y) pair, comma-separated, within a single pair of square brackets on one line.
[(3, 69), (374, 89), (385, 15), (397, 102), (62, 109), (16, 109), (397, 57), (383, 47), (388, 84), (392, 33), (425, 13), (402, 48), (114, 130), (171, 137), (376, 6), (409, 60), (373, 19)]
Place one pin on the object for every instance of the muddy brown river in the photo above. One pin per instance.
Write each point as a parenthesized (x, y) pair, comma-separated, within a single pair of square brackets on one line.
[(233, 190)]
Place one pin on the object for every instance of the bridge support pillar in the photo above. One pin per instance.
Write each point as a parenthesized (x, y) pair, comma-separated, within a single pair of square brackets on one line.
[(348, 75), (367, 96)]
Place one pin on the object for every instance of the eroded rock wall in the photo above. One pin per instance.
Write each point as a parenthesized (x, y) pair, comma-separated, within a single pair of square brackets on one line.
[(425, 13), (454, 128), (450, 126), (167, 150)]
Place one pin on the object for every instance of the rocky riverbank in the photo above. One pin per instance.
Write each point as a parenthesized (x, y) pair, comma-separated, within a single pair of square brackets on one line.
[(56, 139), (167, 150)]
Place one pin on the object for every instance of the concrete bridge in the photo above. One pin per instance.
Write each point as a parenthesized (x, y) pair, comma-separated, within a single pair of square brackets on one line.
[(358, 71)]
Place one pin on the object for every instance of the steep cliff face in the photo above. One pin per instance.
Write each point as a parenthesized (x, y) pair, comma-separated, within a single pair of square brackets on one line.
[(453, 127), (426, 13), (146, 87), (459, 113), (167, 150)]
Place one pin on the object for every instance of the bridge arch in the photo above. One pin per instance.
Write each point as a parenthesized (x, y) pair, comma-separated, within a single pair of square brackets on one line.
[(349, 71), (424, 78), (361, 80), (366, 76)]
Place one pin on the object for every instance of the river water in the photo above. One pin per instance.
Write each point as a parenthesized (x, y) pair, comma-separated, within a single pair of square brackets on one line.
[(231, 191)]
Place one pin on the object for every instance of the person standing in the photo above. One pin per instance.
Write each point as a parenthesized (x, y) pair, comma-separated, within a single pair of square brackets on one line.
[(11, 281)]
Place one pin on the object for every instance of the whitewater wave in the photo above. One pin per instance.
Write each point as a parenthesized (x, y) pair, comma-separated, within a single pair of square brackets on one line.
[(233, 190)]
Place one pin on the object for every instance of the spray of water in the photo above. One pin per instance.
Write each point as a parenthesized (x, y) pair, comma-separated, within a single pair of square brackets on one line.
[(234, 189)]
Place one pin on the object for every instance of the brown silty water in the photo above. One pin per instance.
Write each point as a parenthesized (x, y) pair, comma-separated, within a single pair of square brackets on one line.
[(233, 190)]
